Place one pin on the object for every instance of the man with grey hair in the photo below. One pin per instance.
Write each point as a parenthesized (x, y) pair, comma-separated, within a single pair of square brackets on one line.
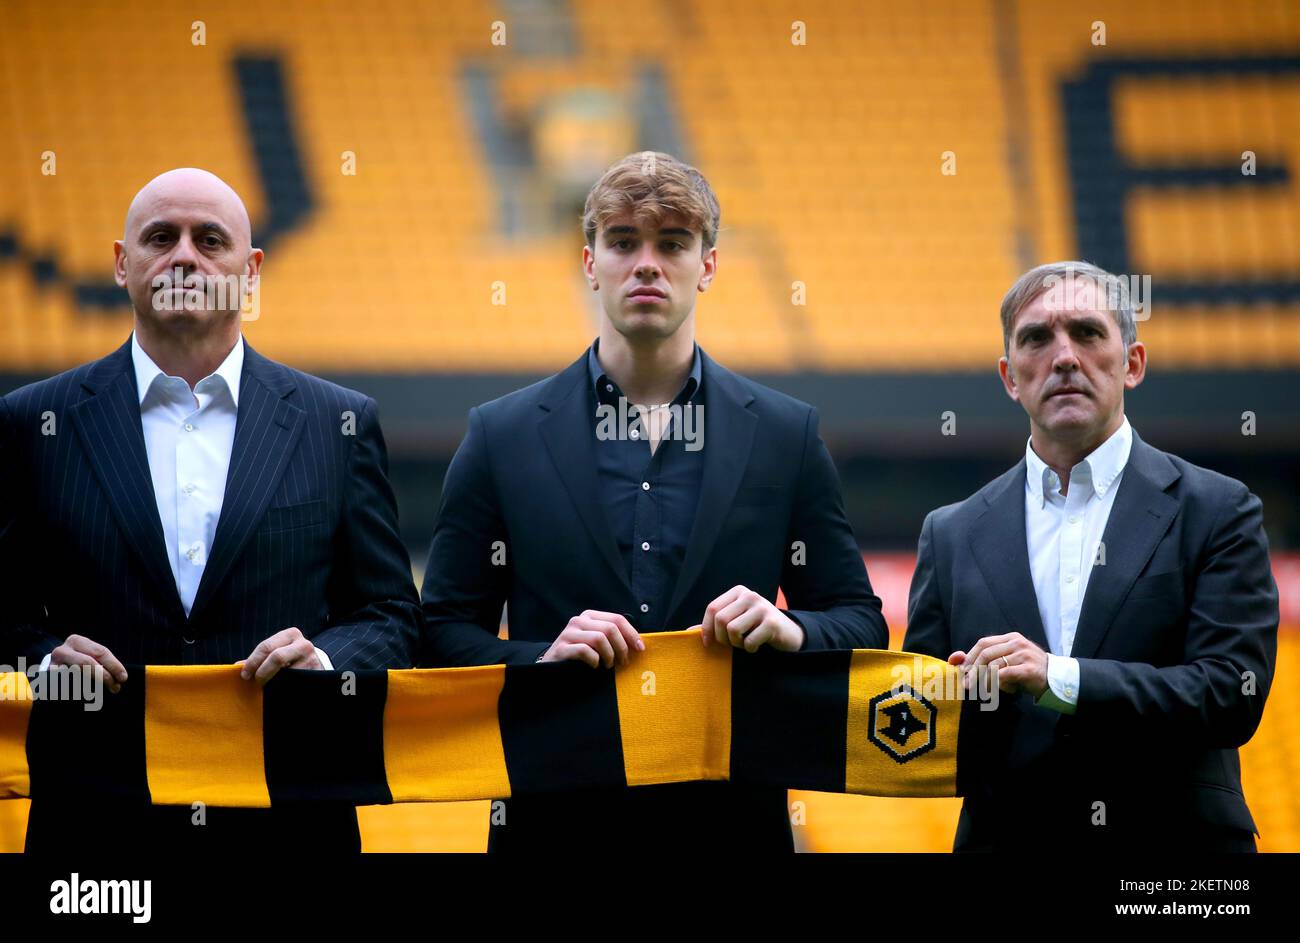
[(1123, 596)]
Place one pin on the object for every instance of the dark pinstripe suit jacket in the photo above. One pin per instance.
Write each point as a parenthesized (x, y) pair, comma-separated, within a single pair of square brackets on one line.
[(307, 536)]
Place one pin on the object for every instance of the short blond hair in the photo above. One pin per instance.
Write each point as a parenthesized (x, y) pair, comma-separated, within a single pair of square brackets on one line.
[(652, 185)]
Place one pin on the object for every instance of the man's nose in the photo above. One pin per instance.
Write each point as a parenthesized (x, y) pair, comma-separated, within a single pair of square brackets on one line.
[(646, 264), (1066, 358), (184, 256)]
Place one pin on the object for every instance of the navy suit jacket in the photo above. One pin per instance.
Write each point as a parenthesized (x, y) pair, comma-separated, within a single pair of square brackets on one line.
[(1177, 641), (525, 475), (307, 535)]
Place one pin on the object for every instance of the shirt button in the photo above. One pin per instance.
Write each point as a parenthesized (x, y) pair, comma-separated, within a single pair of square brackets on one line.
[(635, 433), (609, 387), (1069, 690), (1069, 579), (645, 545), (645, 607), (189, 427), (189, 488), (1074, 519), (645, 486)]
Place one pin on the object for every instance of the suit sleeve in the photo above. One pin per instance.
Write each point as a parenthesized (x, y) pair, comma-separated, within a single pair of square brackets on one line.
[(374, 614), (827, 588), (469, 571), (928, 631), (1216, 698), (24, 629)]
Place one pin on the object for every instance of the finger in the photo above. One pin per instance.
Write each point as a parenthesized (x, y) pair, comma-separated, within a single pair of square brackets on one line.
[(993, 655), (270, 665), (630, 634), (566, 651), (115, 669), (253, 663), (1011, 680), (599, 642), (722, 620), (64, 657), (100, 653), (984, 643), (283, 657), (957, 658), (255, 658), (615, 637), (106, 677), (628, 631), (709, 622), (759, 636), (972, 656), (745, 622)]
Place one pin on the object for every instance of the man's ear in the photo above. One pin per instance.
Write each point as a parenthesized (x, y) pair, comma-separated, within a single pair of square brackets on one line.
[(710, 269), (1136, 369), (253, 268), (589, 267), (1008, 378), (119, 263)]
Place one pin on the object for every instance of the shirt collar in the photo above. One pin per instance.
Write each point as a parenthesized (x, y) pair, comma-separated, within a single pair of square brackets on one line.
[(1097, 471), (599, 379), (146, 371)]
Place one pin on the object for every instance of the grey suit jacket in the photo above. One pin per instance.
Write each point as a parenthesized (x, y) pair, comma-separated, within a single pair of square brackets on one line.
[(1177, 642)]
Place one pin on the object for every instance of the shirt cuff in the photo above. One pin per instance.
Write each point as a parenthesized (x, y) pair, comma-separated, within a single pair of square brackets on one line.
[(45, 662), (1062, 692)]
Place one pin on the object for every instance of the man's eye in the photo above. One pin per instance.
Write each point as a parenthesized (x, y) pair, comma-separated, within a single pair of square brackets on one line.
[(622, 243), (673, 246), (159, 237)]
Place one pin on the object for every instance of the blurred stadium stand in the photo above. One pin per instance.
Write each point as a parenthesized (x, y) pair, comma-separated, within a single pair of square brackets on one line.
[(472, 160)]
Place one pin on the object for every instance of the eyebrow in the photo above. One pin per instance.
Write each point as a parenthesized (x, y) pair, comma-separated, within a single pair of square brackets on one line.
[(633, 231), (1080, 320), (167, 226)]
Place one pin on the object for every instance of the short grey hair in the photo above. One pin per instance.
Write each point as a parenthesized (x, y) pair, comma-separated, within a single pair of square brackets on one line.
[(1043, 277)]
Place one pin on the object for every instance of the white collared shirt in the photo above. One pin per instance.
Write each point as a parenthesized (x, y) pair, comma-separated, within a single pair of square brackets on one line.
[(188, 436), (1063, 534)]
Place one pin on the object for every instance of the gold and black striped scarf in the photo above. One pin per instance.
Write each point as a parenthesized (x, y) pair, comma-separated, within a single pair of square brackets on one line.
[(870, 722)]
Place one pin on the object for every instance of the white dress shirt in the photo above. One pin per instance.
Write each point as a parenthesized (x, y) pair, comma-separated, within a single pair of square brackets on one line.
[(188, 438), (1063, 534)]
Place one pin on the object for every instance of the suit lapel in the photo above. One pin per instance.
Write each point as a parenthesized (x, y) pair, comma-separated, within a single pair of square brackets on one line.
[(728, 437), (266, 430), (568, 431), (1141, 515), (108, 424), (1001, 552)]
